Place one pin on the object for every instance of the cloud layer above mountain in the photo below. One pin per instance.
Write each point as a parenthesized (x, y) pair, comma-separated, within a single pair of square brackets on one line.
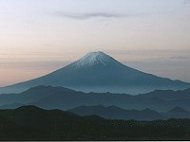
[(83, 16)]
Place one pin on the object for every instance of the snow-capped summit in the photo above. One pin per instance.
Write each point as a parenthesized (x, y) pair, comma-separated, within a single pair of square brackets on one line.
[(95, 58)]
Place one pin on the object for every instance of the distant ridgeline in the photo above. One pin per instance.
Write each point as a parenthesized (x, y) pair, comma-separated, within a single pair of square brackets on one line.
[(158, 104), (98, 72)]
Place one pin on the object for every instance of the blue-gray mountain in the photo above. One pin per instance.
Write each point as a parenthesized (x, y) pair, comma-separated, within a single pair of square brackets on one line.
[(62, 98), (98, 72), (113, 112)]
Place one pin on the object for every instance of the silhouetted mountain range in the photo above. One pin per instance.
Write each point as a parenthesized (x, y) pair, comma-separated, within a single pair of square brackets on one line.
[(98, 72), (49, 97), (33, 123), (178, 112), (113, 112)]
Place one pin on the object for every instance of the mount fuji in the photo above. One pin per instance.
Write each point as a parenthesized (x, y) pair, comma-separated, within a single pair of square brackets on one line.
[(98, 72)]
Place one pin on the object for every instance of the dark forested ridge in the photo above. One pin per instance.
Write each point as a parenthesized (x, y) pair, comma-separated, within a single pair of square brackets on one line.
[(33, 123)]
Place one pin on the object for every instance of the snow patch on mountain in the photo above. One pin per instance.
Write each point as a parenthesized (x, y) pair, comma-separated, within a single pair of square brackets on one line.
[(95, 58)]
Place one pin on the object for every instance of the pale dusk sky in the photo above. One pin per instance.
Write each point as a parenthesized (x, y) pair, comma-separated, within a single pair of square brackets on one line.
[(40, 36)]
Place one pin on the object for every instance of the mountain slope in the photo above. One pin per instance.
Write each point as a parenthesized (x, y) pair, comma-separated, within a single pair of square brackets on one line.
[(98, 72)]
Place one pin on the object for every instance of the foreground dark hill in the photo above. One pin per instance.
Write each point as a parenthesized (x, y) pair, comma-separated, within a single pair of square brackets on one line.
[(62, 98), (98, 72), (32, 123)]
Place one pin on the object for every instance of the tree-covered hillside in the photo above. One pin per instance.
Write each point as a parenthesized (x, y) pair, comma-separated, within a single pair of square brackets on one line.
[(32, 123)]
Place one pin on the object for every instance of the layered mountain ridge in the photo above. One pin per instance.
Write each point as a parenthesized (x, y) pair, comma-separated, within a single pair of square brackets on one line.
[(49, 97)]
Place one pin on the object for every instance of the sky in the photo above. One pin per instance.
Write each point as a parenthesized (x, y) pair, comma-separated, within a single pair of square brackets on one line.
[(40, 36)]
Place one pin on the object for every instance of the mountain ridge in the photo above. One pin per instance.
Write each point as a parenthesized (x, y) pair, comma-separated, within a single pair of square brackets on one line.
[(56, 125), (114, 112), (50, 97)]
